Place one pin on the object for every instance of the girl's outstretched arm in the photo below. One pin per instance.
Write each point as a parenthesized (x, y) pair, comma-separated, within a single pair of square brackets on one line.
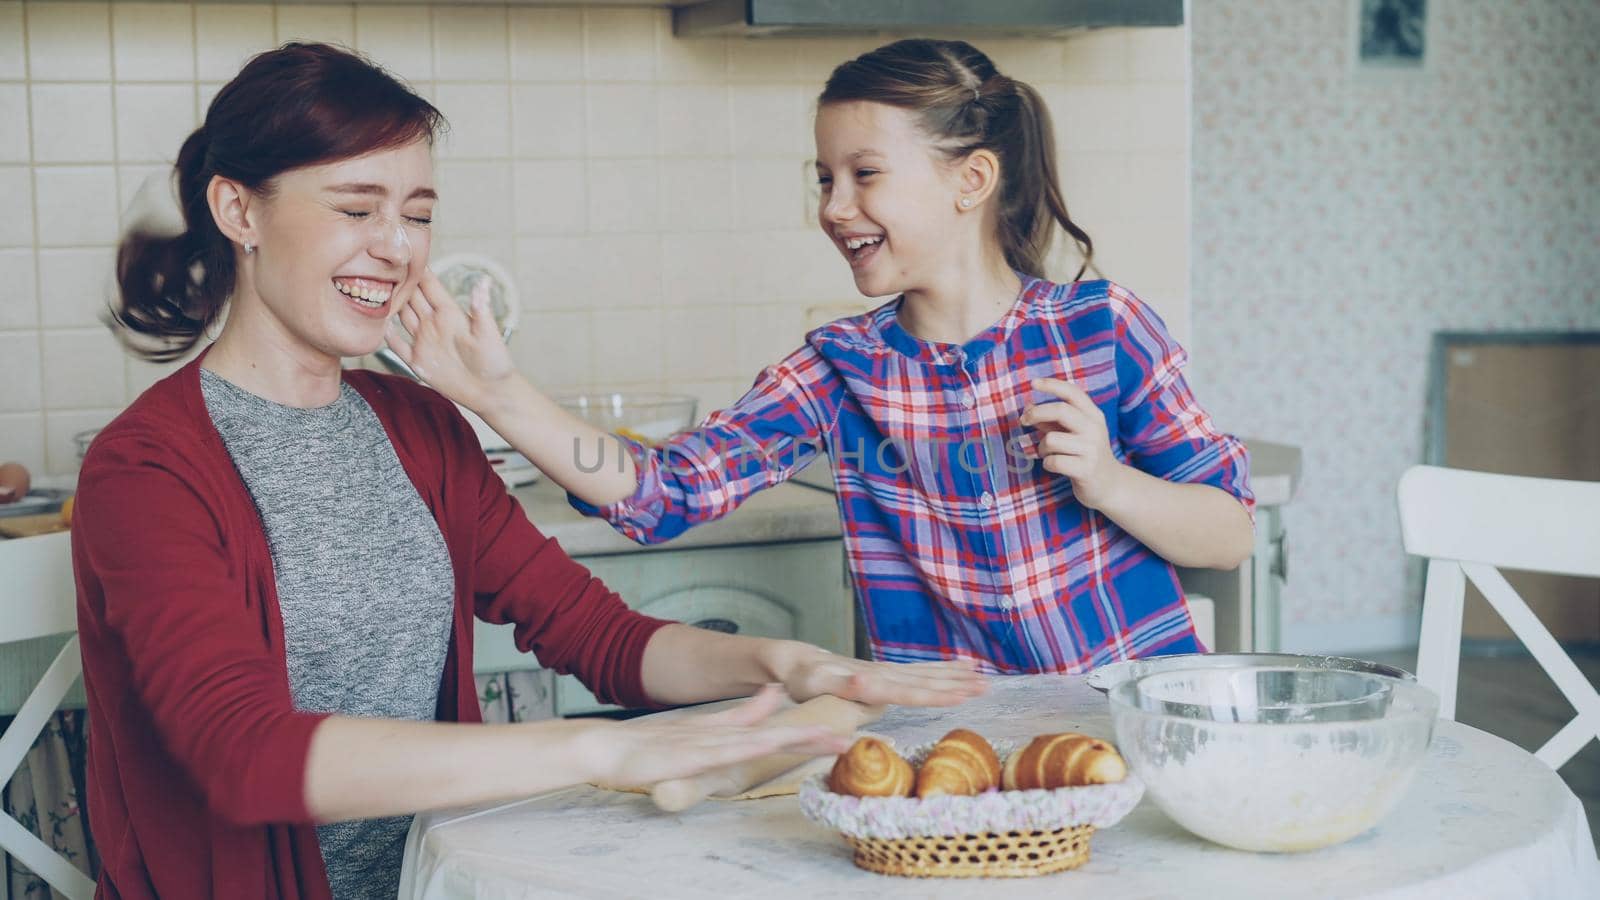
[(651, 494)]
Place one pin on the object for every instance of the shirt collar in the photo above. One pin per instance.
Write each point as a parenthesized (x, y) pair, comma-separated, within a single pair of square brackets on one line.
[(887, 320)]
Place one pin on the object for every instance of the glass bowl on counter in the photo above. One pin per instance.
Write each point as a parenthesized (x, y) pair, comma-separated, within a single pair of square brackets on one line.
[(642, 416), (1274, 759)]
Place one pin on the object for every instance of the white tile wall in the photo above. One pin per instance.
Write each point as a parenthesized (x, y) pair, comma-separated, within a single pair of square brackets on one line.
[(22, 439), (551, 196), (76, 36), (13, 59), (226, 35), (19, 372), (469, 44), (82, 369), (77, 205), (14, 109), (549, 120), (76, 284), (152, 42), (399, 37), (16, 196), (480, 120), (153, 120), (72, 123), (18, 288), (332, 24), (650, 193), (542, 45)]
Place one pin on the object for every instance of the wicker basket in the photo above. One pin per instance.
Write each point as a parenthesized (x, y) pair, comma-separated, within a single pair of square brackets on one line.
[(1015, 854), (998, 834)]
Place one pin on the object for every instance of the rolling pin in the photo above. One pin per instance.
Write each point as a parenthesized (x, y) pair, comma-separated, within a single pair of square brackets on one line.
[(842, 717)]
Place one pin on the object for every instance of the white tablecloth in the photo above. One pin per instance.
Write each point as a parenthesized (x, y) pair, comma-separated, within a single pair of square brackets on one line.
[(1483, 819)]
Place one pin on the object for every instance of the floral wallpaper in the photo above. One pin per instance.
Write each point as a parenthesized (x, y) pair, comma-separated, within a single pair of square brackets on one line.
[(1341, 215)]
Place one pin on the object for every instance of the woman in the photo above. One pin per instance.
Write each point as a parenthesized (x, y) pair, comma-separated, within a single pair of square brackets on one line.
[(278, 562)]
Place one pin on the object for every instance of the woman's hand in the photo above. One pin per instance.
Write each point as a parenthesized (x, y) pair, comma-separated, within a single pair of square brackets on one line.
[(815, 671), (643, 751), (462, 356), (1073, 441)]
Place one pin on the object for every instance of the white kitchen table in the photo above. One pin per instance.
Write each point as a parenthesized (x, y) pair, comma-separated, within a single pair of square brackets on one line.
[(1482, 819)]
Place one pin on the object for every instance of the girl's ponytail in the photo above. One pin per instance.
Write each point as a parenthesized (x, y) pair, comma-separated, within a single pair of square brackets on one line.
[(1032, 204)]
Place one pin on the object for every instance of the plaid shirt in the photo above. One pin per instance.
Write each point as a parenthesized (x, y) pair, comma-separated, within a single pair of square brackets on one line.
[(959, 543)]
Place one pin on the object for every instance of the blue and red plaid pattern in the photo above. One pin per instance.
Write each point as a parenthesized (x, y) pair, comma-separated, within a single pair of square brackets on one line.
[(960, 544)]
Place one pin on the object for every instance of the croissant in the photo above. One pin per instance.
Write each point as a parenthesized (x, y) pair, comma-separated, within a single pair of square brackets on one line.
[(871, 768), (1062, 760), (962, 762)]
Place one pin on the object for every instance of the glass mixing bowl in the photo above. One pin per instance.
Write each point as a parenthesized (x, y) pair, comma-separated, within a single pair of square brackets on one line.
[(1110, 675), (1274, 759), (646, 417)]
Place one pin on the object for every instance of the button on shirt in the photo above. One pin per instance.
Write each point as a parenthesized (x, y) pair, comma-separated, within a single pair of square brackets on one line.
[(960, 543)]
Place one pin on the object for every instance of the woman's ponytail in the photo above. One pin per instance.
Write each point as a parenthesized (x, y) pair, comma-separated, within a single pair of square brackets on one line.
[(173, 287)]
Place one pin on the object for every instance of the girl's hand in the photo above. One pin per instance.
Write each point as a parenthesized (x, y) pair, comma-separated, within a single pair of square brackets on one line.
[(1073, 441), (944, 683), (461, 356), (641, 751)]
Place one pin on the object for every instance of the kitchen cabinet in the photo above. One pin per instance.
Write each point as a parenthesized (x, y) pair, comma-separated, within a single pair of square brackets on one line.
[(773, 568), (1249, 599)]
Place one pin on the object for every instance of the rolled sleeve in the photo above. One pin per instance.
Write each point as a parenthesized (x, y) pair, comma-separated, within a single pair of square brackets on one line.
[(1160, 423)]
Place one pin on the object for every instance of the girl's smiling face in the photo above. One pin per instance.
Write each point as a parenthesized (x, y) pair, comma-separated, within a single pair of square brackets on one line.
[(887, 195)]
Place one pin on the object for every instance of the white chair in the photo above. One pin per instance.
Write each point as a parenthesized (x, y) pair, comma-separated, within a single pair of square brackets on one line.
[(1467, 524), (38, 599)]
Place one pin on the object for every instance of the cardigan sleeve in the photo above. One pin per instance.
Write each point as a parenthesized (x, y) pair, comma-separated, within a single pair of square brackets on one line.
[(154, 575), (562, 614)]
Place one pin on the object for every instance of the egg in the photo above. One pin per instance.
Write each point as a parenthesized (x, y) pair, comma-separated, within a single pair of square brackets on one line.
[(14, 482)]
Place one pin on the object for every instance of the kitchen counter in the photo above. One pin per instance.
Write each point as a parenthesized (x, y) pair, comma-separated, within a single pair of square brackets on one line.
[(1274, 471), (788, 512)]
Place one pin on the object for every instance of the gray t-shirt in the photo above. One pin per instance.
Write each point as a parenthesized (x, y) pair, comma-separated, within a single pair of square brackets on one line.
[(365, 584)]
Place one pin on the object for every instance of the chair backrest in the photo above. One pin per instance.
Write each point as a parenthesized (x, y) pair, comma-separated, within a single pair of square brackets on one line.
[(1468, 524), (38, 599)]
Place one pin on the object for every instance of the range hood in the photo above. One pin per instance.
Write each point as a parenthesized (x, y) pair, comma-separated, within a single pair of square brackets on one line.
[(1031, 18)]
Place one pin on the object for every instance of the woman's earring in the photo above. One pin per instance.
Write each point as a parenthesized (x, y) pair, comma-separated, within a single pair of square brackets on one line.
[(966, 203), (249, 248)]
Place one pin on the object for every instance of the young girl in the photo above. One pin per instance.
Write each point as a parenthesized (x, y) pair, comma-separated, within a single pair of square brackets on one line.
[(1019, 464), (278, 562)]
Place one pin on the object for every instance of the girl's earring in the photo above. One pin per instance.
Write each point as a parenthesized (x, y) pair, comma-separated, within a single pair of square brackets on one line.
[(966, 203), (249, 248)]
